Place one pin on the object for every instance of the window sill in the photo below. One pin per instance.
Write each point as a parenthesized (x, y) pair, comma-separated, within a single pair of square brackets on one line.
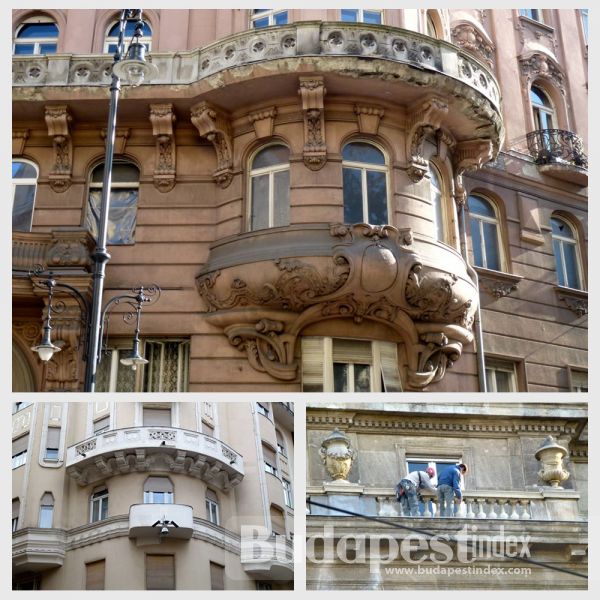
[(497, 283), (575, 300), (543, 27)]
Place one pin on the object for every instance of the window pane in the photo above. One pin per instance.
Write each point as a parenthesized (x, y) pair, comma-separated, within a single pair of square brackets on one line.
[(561, 228), (377, 194), (169, 367), (363, 152), (24, 49), (121, 217), (477, 243), (45, 516), (349, 14), (571, 266), (490, 235), (560, 267), (416, 466), (125, 375), (479, 206), (38, 30), (281, 198), (129, 29), (103, 373), (47, 48), (24, 196), (503, 381), (270, 156), (281, 18), (353, 208), (362, 378), (372, 16), (23, 170), (260, 203), (340, 377), (264, 22)]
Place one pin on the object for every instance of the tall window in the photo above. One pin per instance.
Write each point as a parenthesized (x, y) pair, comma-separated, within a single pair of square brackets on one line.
[(158, 490), (46, 511), (211, 501), (439, 465), (217, 576), (160, 572), (99, 505), (24, 184), (270, 461), (16, 507), (167, 369), (37, 35), (124, 193), (19, 451), (270, 188), (264, 17), (566, 254), (287, 493), (280, 443), (584, 22), (485, 234), (578, 381), (112, 36), (543, 112), (532, 13), (156, 416), (365, 184), (94, 575), (344, 365), (500, 375), (263, 409), (101, 425), (52, 443), (360, 15), (277, 520), (437, 202)]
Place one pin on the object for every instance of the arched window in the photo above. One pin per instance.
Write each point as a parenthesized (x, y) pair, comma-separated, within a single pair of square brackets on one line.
[(264, 17), (365, 184), (123, 202), (485, 233), (211, 501), (432, 26), (270, 188), (437, 202), (99, 504), (566, 254), (46, 511), (37, 35), (112, 36), (543, 112), (24, 182), (158, 490)]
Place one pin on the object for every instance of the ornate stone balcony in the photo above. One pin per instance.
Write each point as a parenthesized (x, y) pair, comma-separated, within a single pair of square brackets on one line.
[(35, 549), (142, 519), (263, 288), (158, 449), (271, 559), (559, 154)]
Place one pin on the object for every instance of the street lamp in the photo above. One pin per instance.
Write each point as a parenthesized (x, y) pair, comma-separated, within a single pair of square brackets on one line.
[(130, 66)]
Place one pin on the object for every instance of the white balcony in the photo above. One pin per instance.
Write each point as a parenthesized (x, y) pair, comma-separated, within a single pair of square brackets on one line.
[(271, 559), (35, 549), (165, 449), (150, 521)]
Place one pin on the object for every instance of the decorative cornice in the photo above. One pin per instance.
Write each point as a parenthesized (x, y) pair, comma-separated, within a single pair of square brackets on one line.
[(312, 92), (575, 300), (162, 118), (58, 119), (496, 283)]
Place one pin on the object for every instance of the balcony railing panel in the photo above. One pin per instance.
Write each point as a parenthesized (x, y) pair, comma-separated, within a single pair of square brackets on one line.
[(549, 146)]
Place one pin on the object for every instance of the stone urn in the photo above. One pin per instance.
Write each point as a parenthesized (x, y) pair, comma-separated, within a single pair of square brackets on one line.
[(551, 455), (337, 455)]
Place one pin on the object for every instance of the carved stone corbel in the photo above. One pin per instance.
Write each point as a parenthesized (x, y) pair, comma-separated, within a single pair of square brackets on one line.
[(214, 125), (58, 120), (435, 354), (469, 155), (466, 36), (263, 121), (19, 139), (312, 91), (540, 65), (368, 118), (425, 118), (121, 137), (162, 118)]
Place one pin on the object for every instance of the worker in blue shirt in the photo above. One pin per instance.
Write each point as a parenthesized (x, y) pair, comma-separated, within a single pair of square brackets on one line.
[(448, 490)]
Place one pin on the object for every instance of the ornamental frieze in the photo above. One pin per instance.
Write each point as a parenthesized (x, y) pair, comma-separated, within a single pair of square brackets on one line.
[(369, 273)]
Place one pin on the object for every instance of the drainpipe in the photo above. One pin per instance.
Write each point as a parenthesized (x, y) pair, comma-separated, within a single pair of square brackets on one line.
[(477, 319)]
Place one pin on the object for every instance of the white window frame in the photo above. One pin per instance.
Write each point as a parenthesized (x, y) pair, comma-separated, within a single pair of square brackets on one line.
[(270, 14), (263, 410), (364, 167), (535, 14), (269, 468), (114, 40), (37, 42), (542, 109), (26, 181), (481, 219), (571, 241), (578, 380), (212, 511), (183, 359), (360, 18), (495, 365), (19, 459), (149, 497), (288, 494), (17, 406), (100, 500), (45, 511), (438, 206)]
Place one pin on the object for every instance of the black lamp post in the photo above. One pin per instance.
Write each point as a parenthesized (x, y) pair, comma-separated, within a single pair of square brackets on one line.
[(130, 66)]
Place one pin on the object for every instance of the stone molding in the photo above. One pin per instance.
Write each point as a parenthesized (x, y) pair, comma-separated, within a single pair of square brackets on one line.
[(121, 136), (162, 117), (263, 121), (540, 65), (312, 92), (575, 300), (214, 125), (19, 139), (368, 118), (58, 120), (497, 283)]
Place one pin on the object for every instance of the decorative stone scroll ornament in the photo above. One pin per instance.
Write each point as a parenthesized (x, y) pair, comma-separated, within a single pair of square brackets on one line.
[(162, 118), (466, 36), (312, 91), (262, 121), (540, 65), (58, 120), (551, 454), (425, 118), (469, 155), (337, 455), (370, 273), (575, 300), (368, 118), (214, 125), (19, 139)]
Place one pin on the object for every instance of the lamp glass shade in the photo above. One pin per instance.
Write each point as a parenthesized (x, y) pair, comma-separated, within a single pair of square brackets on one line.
[(46, 350), (134, 69)]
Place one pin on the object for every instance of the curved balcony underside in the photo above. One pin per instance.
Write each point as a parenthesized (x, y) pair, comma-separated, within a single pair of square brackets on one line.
[(400, 66), (158, 449), (270, 559), (265, 287)]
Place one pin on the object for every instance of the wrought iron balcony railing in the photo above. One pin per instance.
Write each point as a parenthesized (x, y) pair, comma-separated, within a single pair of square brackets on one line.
[(549, 146)]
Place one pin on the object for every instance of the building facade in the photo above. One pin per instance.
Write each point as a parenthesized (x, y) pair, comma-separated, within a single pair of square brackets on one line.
[(524, 495), (136, 495), (330, 200)]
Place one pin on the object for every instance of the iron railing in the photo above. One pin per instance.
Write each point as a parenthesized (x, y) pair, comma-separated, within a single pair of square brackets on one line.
[(549, 146)]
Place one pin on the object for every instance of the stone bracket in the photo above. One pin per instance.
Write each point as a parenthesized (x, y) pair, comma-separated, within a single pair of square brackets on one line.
[(312, 91), (214, 125), (162, 118), (368, 118), (425, 118), (263, 121), (58, 120), (19, 139), (575, 300), (469, 155), (496, 283)]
